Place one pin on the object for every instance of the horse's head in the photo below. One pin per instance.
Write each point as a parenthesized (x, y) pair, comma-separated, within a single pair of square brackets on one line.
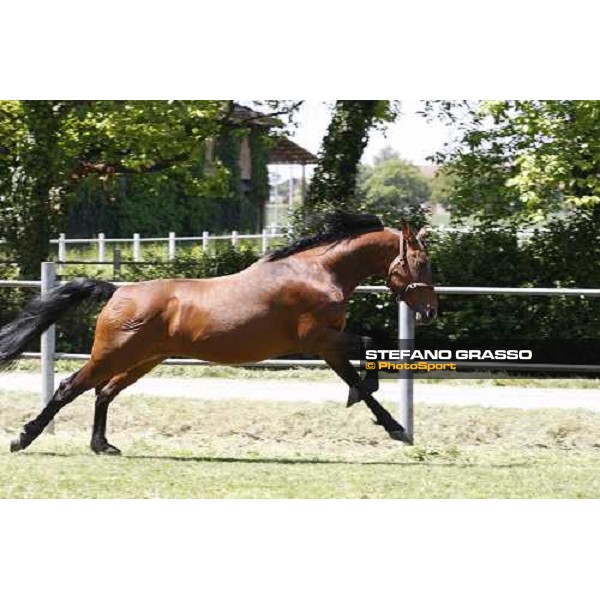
[(409, 275)]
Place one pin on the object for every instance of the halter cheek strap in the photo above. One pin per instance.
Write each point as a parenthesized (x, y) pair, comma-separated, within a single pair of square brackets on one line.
[(401, 260)]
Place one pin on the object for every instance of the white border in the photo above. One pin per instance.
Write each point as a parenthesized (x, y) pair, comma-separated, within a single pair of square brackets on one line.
[(301, 549), (334, 549)]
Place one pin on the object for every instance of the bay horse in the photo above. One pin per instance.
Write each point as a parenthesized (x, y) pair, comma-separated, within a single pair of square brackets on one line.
[(290, 301)]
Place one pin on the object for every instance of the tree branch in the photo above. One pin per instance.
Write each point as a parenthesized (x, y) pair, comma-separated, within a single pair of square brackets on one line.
[(85, 168)]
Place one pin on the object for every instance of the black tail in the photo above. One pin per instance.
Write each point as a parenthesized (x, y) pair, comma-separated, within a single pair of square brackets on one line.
[(43, 312)]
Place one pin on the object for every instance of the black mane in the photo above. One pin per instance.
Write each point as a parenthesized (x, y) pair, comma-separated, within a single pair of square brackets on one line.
[(338, 225)]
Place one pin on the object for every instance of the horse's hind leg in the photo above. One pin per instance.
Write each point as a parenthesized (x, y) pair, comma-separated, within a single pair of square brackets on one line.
[(105, 394), (68, 389)]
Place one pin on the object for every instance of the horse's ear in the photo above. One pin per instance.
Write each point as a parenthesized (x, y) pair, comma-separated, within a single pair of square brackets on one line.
[(406, 230), (421, 235)]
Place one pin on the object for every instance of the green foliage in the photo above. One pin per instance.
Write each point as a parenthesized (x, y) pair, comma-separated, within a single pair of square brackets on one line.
[(489, 256), (523, 160), (334, 180), (564, 254), (193, 264), (567, 254), (49, 147), (12, 300), (124, 167), (390, 186), (259, 184), (442, 186)]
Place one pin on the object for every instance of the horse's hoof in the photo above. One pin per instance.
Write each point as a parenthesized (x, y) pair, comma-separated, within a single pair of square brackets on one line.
[(354, 396), (15, 445), (400, 435), (106, 448), (371, 384)]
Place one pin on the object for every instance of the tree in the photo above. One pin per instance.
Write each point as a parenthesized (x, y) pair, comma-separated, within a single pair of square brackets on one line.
[(442, 185), (48, 148), (522, 160), (391, 186), (334, 180)]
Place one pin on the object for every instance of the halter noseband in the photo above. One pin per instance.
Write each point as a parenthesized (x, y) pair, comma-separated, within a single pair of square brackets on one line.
[(413, 285)]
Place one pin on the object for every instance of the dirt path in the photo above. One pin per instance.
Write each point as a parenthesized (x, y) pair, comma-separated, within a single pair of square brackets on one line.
[(294, 391)]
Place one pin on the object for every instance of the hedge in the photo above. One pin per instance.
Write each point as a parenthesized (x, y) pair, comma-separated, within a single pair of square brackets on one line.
[(566, 254)]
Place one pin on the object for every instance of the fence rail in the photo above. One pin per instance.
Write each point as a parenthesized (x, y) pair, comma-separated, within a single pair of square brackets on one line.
[(172, 240), (267, 234), (406, 331)]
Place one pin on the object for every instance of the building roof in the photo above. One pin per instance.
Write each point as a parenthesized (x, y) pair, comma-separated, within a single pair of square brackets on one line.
[(243, 113), (286, 152)]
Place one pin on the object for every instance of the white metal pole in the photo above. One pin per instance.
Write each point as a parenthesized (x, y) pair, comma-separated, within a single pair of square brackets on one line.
[(62, 248), (265, 241), (234, 239), (101, 248), (136, 247), (171, 250), (47, 342), (406, 338), (205, 241)]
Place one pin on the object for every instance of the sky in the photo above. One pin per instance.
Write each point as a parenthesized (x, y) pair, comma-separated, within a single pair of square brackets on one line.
[(411, 136)]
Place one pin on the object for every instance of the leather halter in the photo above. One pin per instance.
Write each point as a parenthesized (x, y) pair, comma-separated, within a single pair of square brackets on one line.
[(401, 260)]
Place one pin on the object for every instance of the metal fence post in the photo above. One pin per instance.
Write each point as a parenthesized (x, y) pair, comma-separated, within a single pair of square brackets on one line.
[(171, 251), (265, 241), (47, 342), (62, 248), (205, 241), (406, 338), (101, 248), (234, 239), (136, 247)]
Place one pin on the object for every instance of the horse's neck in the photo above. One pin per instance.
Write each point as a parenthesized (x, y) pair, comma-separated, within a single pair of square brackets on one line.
[(357, 259)]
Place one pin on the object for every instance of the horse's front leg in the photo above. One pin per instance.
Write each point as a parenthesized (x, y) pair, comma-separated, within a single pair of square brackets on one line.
[(336, 347)]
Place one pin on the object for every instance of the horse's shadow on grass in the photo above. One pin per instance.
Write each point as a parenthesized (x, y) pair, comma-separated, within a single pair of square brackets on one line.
[(286, 461)]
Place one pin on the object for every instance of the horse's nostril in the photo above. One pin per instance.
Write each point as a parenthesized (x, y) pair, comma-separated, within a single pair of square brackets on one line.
[(430, 313)]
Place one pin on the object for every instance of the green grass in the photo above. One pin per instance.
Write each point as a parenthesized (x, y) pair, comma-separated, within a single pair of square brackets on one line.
[(190, 449)]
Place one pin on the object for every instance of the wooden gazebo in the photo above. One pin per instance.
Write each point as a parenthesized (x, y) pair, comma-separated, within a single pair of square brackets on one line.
[(286, 152)]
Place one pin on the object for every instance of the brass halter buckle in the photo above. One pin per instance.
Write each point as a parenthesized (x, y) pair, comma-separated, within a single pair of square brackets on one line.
[(413, 286)]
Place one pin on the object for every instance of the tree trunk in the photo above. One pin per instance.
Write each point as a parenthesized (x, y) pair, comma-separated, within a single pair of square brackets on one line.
[(334, 180)]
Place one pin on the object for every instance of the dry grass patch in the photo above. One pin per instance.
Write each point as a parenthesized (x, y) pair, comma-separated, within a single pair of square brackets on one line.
[(185, 448)]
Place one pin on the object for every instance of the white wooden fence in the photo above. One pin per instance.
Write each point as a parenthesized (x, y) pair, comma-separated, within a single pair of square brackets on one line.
[(101, 241), (267, 234)]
